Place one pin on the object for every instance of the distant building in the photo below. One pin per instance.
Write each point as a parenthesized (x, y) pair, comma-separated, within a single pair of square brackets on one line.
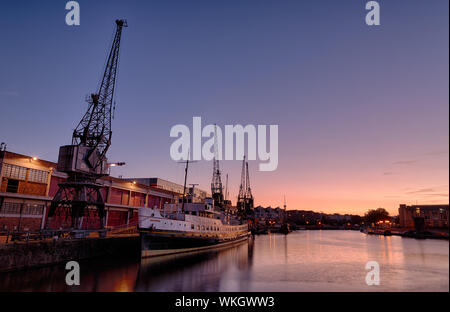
[(429, 216), (339, 218), (269, 214), (199, 194)]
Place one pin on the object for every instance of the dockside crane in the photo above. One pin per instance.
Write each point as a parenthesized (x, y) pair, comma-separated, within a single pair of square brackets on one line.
[(245, 197), (84, 161), (241, 196), (216, 183)]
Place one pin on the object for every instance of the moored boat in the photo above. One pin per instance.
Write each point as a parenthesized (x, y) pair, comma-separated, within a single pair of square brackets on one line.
[(187, 227)]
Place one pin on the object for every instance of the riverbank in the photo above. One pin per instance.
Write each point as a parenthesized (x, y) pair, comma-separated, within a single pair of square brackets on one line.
[(409, 233), (23, 255)]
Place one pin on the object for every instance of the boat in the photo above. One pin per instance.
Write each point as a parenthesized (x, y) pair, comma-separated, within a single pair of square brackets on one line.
[(188, 227), (285, 228)]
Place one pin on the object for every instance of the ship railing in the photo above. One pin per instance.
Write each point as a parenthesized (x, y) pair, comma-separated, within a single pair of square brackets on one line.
[(123, 229)]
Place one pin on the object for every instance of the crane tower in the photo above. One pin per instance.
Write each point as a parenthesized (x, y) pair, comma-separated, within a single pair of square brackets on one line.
[(84, 161), (245, 197), (216, 183)]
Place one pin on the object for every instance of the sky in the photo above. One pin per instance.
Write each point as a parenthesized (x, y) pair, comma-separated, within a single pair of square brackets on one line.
[(362, 112)]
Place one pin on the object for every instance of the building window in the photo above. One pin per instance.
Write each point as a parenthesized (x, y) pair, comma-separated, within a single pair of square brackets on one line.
[(39, 176), (12, 186), (33, 209), (14, 172), (10, 208)]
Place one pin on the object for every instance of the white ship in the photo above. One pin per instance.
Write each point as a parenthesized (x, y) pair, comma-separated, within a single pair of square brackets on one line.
[(187, 227)]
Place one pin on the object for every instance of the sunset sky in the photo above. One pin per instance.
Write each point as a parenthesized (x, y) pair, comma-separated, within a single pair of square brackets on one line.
[(363, 112)]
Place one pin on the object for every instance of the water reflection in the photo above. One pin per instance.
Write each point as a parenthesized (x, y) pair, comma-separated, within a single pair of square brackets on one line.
[(207, 271), (300, 261)]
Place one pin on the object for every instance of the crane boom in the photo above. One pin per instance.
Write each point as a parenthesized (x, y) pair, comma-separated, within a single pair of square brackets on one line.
[(91, 139), (94, 129)]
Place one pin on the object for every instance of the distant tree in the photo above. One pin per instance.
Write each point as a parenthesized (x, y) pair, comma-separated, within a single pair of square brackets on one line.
[(355, 219), (375, 215)]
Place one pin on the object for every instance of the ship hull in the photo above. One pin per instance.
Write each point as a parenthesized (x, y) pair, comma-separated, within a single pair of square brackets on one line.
[(160, 243)]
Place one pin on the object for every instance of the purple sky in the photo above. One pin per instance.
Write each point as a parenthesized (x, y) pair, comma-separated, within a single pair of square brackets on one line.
[(362, 111)]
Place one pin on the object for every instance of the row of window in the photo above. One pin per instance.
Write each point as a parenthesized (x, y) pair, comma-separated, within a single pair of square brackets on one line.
[(14, 172), (27, 209), (20, 173), (209, 228), (39, 176)]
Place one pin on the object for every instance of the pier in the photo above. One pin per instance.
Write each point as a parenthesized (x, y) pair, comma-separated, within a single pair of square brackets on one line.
[(20, 255)]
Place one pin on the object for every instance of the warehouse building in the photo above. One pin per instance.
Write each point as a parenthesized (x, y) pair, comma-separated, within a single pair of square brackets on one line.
[(28, 185)]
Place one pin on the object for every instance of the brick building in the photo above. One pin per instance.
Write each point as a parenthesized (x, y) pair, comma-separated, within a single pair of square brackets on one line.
[(427, 216), (28, 185)]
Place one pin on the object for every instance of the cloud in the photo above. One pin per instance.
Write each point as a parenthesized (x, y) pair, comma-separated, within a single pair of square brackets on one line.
[(437, 153), (9, 93), (413, 161), (437, 194), (424, 190), (406, 162), (389, 173)]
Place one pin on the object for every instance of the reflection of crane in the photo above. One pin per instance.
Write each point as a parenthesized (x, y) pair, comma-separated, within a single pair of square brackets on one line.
[(216, 183), (85, 160)]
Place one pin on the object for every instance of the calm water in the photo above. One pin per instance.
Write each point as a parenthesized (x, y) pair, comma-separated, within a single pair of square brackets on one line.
[(300, 261)]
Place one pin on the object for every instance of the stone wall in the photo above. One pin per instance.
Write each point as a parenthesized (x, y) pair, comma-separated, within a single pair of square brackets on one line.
[(34, 254)]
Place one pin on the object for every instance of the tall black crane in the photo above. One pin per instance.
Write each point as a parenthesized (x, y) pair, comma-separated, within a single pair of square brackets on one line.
[(216, 183), (248, 191), (85, 159), (241, 196), (245, 197)]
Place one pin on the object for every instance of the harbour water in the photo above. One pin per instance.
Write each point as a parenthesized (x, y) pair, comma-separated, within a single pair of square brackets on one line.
[(300, 261)]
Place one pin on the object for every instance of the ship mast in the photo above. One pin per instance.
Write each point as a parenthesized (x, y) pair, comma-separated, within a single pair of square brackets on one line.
[(185, 180)]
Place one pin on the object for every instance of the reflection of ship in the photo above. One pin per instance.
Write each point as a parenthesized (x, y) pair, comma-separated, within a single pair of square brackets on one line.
[(212, 270)]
